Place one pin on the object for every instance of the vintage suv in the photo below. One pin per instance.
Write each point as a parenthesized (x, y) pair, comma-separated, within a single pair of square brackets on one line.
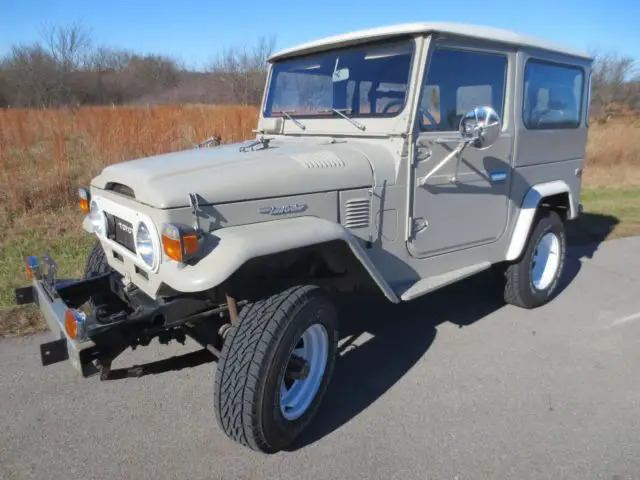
[(393, 160)]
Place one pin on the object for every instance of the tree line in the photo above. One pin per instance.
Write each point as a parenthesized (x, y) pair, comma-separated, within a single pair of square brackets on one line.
[(67, 68)]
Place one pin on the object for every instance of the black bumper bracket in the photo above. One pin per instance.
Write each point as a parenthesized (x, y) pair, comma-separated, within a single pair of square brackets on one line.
[(54, 352), (24, 295)]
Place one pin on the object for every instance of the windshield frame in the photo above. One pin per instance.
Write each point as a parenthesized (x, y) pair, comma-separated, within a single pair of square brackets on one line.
[(409, 40)]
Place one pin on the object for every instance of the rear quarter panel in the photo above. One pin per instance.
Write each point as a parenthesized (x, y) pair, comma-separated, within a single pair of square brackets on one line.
[(548, 154)]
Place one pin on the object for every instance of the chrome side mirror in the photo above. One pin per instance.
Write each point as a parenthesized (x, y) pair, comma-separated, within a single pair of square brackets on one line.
[(481, 127)]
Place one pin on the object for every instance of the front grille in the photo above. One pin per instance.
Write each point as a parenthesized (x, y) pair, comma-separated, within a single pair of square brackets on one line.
[(123, 233)]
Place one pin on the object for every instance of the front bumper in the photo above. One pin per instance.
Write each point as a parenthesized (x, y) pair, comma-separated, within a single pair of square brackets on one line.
[(44, 292), (134, 319)]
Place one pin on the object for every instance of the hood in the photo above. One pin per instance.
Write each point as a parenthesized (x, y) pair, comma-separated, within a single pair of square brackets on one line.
[(225, 174)]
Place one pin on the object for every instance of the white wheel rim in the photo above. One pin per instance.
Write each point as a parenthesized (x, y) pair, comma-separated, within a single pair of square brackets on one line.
[(546, 260), (297, 395)]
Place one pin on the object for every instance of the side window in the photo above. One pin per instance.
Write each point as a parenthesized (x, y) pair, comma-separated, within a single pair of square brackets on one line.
[(552, 96), (458, 81)]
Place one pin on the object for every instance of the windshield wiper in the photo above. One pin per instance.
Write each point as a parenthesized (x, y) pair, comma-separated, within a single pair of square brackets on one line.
[(339, 112), (286, 114)]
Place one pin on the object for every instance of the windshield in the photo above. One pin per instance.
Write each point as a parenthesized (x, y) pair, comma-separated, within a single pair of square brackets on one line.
[(360, 81)]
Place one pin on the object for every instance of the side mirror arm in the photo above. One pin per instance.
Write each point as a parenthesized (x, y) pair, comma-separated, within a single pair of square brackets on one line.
[(455, 152), (480, 127)]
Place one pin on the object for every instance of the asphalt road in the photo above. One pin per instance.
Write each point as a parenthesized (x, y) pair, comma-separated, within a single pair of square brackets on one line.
[(453, 386)]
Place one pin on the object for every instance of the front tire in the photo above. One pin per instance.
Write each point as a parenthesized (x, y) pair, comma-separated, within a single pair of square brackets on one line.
[(533, 280), (264, 394), (97, 265)]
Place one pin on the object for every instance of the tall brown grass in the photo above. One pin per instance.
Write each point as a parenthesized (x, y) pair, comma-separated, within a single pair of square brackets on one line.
[(46, 154), (613, 153)]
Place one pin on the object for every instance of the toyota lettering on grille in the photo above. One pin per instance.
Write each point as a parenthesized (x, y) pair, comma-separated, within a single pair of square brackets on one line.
[(126, 228), (123, 233)]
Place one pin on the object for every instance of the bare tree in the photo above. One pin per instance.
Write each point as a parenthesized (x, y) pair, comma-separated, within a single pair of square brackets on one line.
[(241, 72), (108, 59), (613, 81), (31, 76), (69, 45)]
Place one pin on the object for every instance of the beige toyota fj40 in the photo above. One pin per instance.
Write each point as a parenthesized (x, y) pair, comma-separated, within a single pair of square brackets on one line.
[(394, 160)]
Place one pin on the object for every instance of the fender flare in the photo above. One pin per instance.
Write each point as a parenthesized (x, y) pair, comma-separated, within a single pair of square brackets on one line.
[(528, 211), (227, 249)]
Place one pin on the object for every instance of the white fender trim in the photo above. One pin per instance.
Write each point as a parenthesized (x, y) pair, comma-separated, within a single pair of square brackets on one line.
[(528, 211), (232, 246)]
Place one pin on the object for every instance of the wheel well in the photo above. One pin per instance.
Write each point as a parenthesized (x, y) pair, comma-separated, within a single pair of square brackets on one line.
[(559, 203), (329, 264)]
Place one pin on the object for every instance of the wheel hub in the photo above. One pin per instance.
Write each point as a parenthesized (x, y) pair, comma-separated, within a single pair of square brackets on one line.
[(545, 261), (304, 372), (298, 368)]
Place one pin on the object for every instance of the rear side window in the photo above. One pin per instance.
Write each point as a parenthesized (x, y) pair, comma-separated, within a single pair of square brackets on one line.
[(458, 81), (552, 96)]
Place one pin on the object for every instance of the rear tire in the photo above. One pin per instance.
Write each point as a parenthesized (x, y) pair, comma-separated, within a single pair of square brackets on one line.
[(255, 403), (533, 280)]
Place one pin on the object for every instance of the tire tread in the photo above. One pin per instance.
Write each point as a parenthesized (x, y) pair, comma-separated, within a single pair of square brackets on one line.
[(242, 363), (515, 291)]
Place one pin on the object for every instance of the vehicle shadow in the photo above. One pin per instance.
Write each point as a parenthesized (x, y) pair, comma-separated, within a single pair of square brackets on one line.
[(381, 342), (585, 234), (165, 365)]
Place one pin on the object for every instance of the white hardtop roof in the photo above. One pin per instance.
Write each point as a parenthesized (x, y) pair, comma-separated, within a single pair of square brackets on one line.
[(476, 31)]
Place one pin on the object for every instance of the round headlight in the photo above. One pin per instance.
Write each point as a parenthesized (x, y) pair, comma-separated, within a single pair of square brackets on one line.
[(97, 218), (144, 244)]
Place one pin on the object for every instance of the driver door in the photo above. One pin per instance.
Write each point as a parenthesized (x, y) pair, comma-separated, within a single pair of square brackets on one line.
[(465, 203)]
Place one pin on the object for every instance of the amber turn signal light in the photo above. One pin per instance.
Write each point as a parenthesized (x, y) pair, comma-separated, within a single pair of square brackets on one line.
[(32, 267), (84, 198), (74, 324), (179, 243), (70, 324)]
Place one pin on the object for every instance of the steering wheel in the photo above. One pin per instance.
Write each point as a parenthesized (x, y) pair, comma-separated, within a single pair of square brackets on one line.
[(392, 103), (539, 116), (425, 113)]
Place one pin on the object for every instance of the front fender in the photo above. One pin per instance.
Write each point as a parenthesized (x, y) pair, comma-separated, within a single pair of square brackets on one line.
[(227, 249)]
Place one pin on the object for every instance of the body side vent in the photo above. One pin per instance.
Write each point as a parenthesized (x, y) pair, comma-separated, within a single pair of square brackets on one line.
[(356, 213)]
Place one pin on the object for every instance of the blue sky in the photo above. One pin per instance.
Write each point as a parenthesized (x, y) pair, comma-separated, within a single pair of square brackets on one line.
[(196, 30)]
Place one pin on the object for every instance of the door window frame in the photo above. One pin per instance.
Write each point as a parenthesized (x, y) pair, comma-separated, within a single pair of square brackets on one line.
[(463, 45), (585, 80)]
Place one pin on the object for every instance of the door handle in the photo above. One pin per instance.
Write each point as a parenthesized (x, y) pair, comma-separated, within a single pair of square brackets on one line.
[(423, 154)]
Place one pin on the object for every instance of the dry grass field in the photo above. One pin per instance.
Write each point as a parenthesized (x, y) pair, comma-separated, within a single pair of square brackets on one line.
[(46, 154)]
